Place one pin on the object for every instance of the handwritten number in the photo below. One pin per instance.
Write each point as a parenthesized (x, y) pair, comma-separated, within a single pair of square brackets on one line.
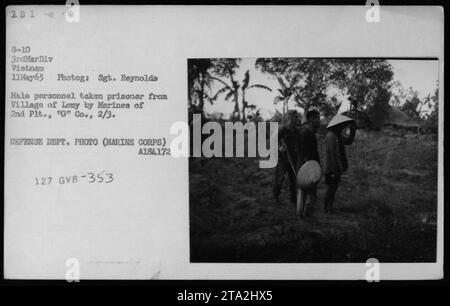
[(100, 177), (92, 177), (110, 176)]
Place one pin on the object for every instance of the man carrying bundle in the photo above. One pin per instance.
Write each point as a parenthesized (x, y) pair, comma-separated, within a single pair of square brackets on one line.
[(288, 147), (308, 151), (336, 161)]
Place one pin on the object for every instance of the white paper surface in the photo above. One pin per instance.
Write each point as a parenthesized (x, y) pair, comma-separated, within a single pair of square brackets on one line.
[(137, 227)]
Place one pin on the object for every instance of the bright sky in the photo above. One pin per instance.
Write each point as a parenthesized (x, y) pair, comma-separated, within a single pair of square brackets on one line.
[(419, 74)]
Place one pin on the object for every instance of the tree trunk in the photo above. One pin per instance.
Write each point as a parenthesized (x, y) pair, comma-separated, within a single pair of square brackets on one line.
[(286, 103), (202, 91), (236, 106), (306, 109), (243, 107)]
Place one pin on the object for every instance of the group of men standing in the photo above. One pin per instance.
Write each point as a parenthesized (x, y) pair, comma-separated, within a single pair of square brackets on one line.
[(297, 144)]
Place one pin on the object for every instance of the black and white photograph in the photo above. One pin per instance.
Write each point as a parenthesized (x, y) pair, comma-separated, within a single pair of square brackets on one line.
[(356, 173)]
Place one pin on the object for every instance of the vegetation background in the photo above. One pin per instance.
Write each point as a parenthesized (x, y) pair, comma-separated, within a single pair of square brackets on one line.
[(386, 203)]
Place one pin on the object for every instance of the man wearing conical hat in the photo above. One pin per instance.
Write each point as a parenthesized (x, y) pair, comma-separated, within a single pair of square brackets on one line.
[(336, 161)]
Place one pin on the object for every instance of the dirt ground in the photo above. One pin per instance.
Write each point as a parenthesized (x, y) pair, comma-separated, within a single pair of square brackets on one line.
[(386, 208)]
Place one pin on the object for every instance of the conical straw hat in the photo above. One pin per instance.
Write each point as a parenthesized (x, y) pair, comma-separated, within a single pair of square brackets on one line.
[(309, 175), (338, 119)]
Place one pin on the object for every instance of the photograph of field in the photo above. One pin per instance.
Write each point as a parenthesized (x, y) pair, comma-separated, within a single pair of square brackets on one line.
[(385, 206)]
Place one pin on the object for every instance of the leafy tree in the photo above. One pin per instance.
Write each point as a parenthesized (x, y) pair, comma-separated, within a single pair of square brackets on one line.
[(285, 93), (362, 80), (331, 108), (306, 80), (398, 94), (277, 66), (413, 106), (244, 88), (255, 115), (433, 104), (367, 84), (379, 107), (313, 85), (417, 108), (226, 68), (199, 83)]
